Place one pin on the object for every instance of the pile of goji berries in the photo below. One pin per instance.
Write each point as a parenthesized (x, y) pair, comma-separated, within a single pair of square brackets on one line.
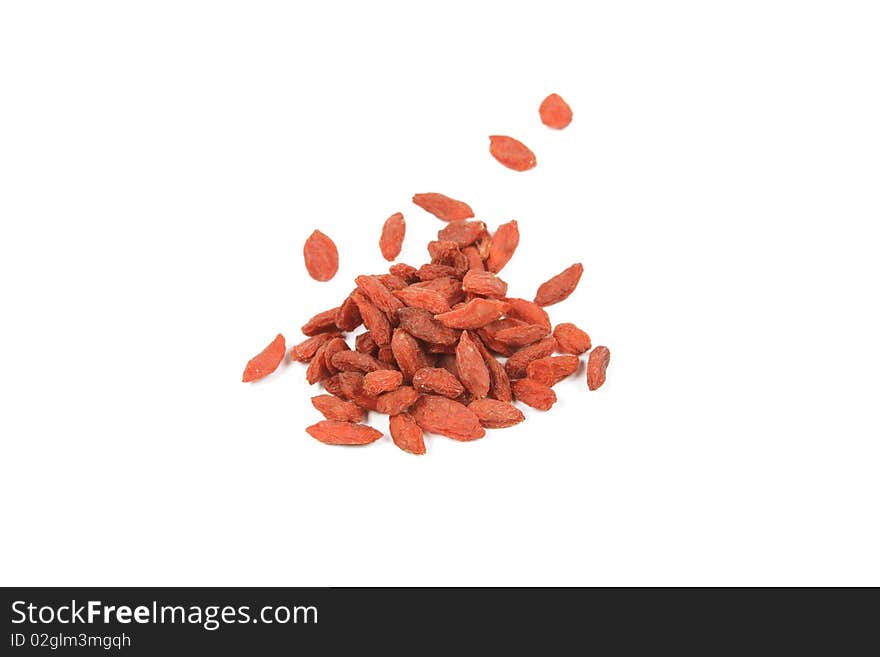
[(444, 349)]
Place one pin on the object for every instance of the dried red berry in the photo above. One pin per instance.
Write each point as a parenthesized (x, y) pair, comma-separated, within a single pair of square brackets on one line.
[(570, 339), (472, 371), (550, 370), (463, 233), (474, 314), (422, 325), (425, 298), (393, 232), (597, 363), (321, 323), (483, 283), (348, 361), (334, 408), (503, 245), (447, 417), (265, 362), (375, 320), (378, 294), (396, 401), (321, 256), (520, 336), (534, 394), (348, 317), (333, 432), (408, 354), (494, 414), (528, 311), (516, 365), (443, 207), (560, 286), (438, 381), (555, 112), (406, 433), (305, 350), (379, 381), (511, 152)]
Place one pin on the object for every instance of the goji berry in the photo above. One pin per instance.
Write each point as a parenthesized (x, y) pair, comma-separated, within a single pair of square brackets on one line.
[(393, 232), (321, 256), (495, 414), (597, 363), (511, 152), (560, 286), (333, 432), (406, 433), (503, 245), (447, 417), (265, 362), (379, 381), (474, 314), (438, 381), (334, 408), (534, 394), (550, 370), (570, 339), (443, 207), (555, 112)]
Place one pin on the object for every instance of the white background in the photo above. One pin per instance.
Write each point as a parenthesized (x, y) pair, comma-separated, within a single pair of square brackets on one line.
[(162, 163)]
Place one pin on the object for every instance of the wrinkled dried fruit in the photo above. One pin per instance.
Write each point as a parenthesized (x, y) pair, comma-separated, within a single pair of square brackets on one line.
[(511, 152), (348, 317), (406, 433), (472, 370), (503, 244), (321, 256), (265, 362), (597, 363), (516, 365), (438, 381), (570, 339), (560, 286), (550, 370), (404, 271), (333, 432), (333, 347), (321, 323), (408, 354), (348, 361), (375, 320), (365, 344), (392, 282), (379, 295), (494, 414), (379, 381), (475, 261), (520, 336), (317, 369), (396, 401), (305, 350), (555, 112), (443, 207), (425, 298), (474, 314), (534, 394), (432, 271), (483, 283), (334, 408), (499, 382), (447, 417), (422, 325), (393, 232), (463, 233), (528, 311)]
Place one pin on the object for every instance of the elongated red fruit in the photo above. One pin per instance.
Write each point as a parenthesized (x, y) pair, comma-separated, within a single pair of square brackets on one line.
[(597, 363), (443, 207), (512, 153), (555, 112), (321, 256), (560, 286), (334, 432), (265, 362), (393, 232), (406, 433), (503, 244)]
